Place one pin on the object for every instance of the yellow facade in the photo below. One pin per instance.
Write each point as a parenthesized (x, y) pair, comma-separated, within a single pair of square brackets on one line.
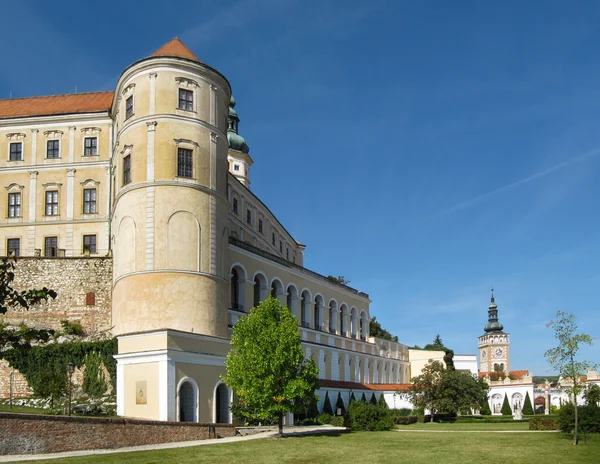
[(193, 248)]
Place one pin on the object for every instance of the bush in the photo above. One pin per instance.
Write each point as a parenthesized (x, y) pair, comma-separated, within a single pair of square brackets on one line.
[(72, 328), (382, 401), (404, 412), (363, 398), (538, 423), (339, 405), (440, 418), (369, 417), (337, 421), (406, 420), (589, 418), (506, 411), (324, 418)]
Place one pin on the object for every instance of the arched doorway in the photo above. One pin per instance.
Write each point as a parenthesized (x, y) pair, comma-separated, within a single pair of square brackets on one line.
[(188, 402), (222, 403)]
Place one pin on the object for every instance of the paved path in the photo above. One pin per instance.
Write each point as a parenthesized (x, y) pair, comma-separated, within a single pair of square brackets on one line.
[(288, 431)]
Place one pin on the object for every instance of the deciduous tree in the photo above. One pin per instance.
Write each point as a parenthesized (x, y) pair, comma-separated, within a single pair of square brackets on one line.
[(564, 358), (266, 366)]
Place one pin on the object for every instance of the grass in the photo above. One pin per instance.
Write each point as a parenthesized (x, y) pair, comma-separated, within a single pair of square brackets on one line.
[(376, 447), (468, 426), (4, 407)]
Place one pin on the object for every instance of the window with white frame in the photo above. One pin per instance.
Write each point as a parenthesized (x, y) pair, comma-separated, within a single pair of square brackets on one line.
[(15, 151), (89, 243), (51, 247), (89, 201), (13, 247), (90, 146), (129, 107), (185, 162), (186, 100), (127, 170), (14, 205), (53, 149), (52, 203)]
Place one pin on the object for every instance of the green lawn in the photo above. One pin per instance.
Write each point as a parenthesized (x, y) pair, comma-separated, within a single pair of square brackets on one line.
[(380, 447), (466, 426), (22, 409)]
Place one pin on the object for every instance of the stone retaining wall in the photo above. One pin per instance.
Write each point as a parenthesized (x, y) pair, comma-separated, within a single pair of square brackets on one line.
[(37, 434)]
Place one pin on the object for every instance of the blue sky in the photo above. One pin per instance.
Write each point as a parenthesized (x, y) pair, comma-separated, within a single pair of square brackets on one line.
[(424, 150)]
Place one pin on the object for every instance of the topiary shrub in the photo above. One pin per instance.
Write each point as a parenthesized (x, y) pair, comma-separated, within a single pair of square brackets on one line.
[(506, 411), (352, 398), (373, 400), (369, 417), (383, 402), (406, 420), (340, 409), (486, 411), (527, 406), (363, 398), (539, 423), (327, 409)]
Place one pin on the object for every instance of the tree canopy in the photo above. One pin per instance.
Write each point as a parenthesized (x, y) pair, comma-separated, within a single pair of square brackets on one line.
[(375, 330), (438, 345), (564, 358), (266, 367), (447, 390)]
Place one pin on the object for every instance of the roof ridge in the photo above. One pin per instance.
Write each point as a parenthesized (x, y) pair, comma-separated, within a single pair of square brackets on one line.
[(56, 95)]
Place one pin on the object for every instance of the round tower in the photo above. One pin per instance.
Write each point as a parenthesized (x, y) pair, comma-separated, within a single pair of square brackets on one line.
[(170, 209)]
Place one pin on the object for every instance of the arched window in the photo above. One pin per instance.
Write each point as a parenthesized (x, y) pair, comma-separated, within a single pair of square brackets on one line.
[(318, 310), (222, 403), (260, 289), (333, 315), (235, 291)]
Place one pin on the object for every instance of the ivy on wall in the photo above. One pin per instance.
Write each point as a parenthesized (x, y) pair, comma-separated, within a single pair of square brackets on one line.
[(33, 362)]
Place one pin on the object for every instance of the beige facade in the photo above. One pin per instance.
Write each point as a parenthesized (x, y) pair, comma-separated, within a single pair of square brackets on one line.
[(193, 249)]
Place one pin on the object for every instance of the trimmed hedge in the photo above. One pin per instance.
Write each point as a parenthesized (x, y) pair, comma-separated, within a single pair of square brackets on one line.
[(406, 420), (538, 423)]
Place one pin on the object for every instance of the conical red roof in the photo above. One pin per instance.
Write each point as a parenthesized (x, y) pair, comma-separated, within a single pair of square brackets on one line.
[(176, 48)]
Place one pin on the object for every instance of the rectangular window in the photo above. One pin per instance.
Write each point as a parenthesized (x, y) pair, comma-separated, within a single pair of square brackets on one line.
[(273, 238), (260, 229), (13, 246), (126, 169), (129, 107), (89, 243), (16, 151), (90, 146), (287, 254), (14, 205), (236, 167), (52, 149), (280, 246), (235, 205), (249, 216), (89, 201), (186, 100), (184, 162), (51, 247), (52, 203)]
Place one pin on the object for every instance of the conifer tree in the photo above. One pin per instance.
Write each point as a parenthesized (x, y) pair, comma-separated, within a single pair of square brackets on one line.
[(382, 401), (352, 398), (506, 411), (339, 405), (486, 411), (527, 406), (363, 399), (373, 400), (327, 409)]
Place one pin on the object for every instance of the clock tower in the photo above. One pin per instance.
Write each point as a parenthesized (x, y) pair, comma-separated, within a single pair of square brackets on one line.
[(494, 344)]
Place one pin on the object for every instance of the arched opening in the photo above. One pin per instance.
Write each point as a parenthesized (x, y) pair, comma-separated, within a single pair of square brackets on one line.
[(222, 404), (276, 289), (344, 320), (333, 316), (292, 301), (318, 310), (188, 402), (260, 288), (304, 315), (517, 402), (235, 290), (364, 326), (354, 323)]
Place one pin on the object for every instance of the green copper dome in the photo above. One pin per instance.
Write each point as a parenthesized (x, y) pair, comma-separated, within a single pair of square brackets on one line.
[(236, 141), (493, 325)]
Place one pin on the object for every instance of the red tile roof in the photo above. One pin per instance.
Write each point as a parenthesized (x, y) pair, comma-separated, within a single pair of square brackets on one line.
[(176, 48), (363, 386), (93, 102)]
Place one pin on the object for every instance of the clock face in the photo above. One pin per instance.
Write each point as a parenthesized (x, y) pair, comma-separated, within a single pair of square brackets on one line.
[(498, 352)]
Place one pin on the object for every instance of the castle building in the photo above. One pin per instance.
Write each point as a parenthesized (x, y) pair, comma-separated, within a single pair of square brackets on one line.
[(494, 344), (153, 178)]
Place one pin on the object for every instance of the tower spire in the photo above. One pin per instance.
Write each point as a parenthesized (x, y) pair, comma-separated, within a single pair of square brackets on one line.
[(493, 325)]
